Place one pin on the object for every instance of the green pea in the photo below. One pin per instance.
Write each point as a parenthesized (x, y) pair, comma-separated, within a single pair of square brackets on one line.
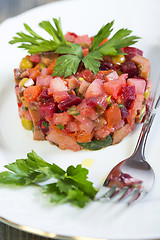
[(26, 63), (118, 59), (27, 124)]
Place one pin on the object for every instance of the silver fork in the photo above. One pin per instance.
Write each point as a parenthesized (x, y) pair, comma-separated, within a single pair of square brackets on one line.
[(133, 178)]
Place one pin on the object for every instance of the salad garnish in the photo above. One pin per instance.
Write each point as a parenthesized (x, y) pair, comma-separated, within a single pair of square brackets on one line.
[(71, 54)]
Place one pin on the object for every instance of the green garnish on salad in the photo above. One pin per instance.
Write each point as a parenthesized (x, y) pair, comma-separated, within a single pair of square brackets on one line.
[(71, 54)]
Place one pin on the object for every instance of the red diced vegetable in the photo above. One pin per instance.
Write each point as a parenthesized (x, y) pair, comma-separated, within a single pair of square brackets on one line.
[(72, 100), (132, 51), (139, 84), (95, 89), (35, 58)]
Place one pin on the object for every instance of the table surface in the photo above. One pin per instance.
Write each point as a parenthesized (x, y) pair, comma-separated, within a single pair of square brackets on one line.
[(10, 8)]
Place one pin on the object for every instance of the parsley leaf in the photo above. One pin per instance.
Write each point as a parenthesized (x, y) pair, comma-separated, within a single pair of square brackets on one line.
[(103, 33), (70, 48), (69, 186), (34, 43), (66, 65), (91, 61), (97, 144), (120, 39)]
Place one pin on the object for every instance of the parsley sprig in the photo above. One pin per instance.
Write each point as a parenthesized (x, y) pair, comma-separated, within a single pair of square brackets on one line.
[(34, 43), (67, 64), (70, 186), (71, 54)]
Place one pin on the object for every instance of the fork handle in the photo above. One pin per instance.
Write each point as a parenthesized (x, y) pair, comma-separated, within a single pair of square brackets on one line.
[(140, 146), (154, 105)]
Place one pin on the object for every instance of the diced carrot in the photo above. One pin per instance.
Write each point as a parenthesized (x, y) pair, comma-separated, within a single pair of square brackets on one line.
[(92, 39), (113, 115), (34, 72), (105, 40), (56, 129), (31, 93), (84, 137), (51, 66), (85, 51)]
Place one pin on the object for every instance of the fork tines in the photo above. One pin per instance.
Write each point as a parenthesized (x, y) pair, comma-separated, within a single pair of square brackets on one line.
[(126, 194)]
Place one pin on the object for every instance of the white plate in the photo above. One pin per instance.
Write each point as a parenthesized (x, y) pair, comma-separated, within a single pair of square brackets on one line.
[(26, 208)]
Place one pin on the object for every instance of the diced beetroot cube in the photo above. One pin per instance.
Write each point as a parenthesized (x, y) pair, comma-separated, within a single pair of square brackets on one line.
[(128, 92), (131, 52), (124, 112), (87, 75), (107, 63), (44, 125), (139, 84), (92, 102), (130, 68), (47, 110), (128, 103), (44, 95), (72, 100), (100, 102)]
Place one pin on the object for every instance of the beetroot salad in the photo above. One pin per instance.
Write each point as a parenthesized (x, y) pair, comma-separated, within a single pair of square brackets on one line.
[(78, 91)]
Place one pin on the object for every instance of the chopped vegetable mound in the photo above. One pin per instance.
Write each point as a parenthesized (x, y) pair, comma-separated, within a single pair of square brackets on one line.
[(81, 92)]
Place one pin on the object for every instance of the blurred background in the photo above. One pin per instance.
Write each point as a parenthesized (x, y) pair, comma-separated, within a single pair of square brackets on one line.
[(10, 8)]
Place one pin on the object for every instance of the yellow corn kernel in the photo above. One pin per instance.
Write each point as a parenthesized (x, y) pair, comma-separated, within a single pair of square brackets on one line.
[(27, 124), (118, 59)]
